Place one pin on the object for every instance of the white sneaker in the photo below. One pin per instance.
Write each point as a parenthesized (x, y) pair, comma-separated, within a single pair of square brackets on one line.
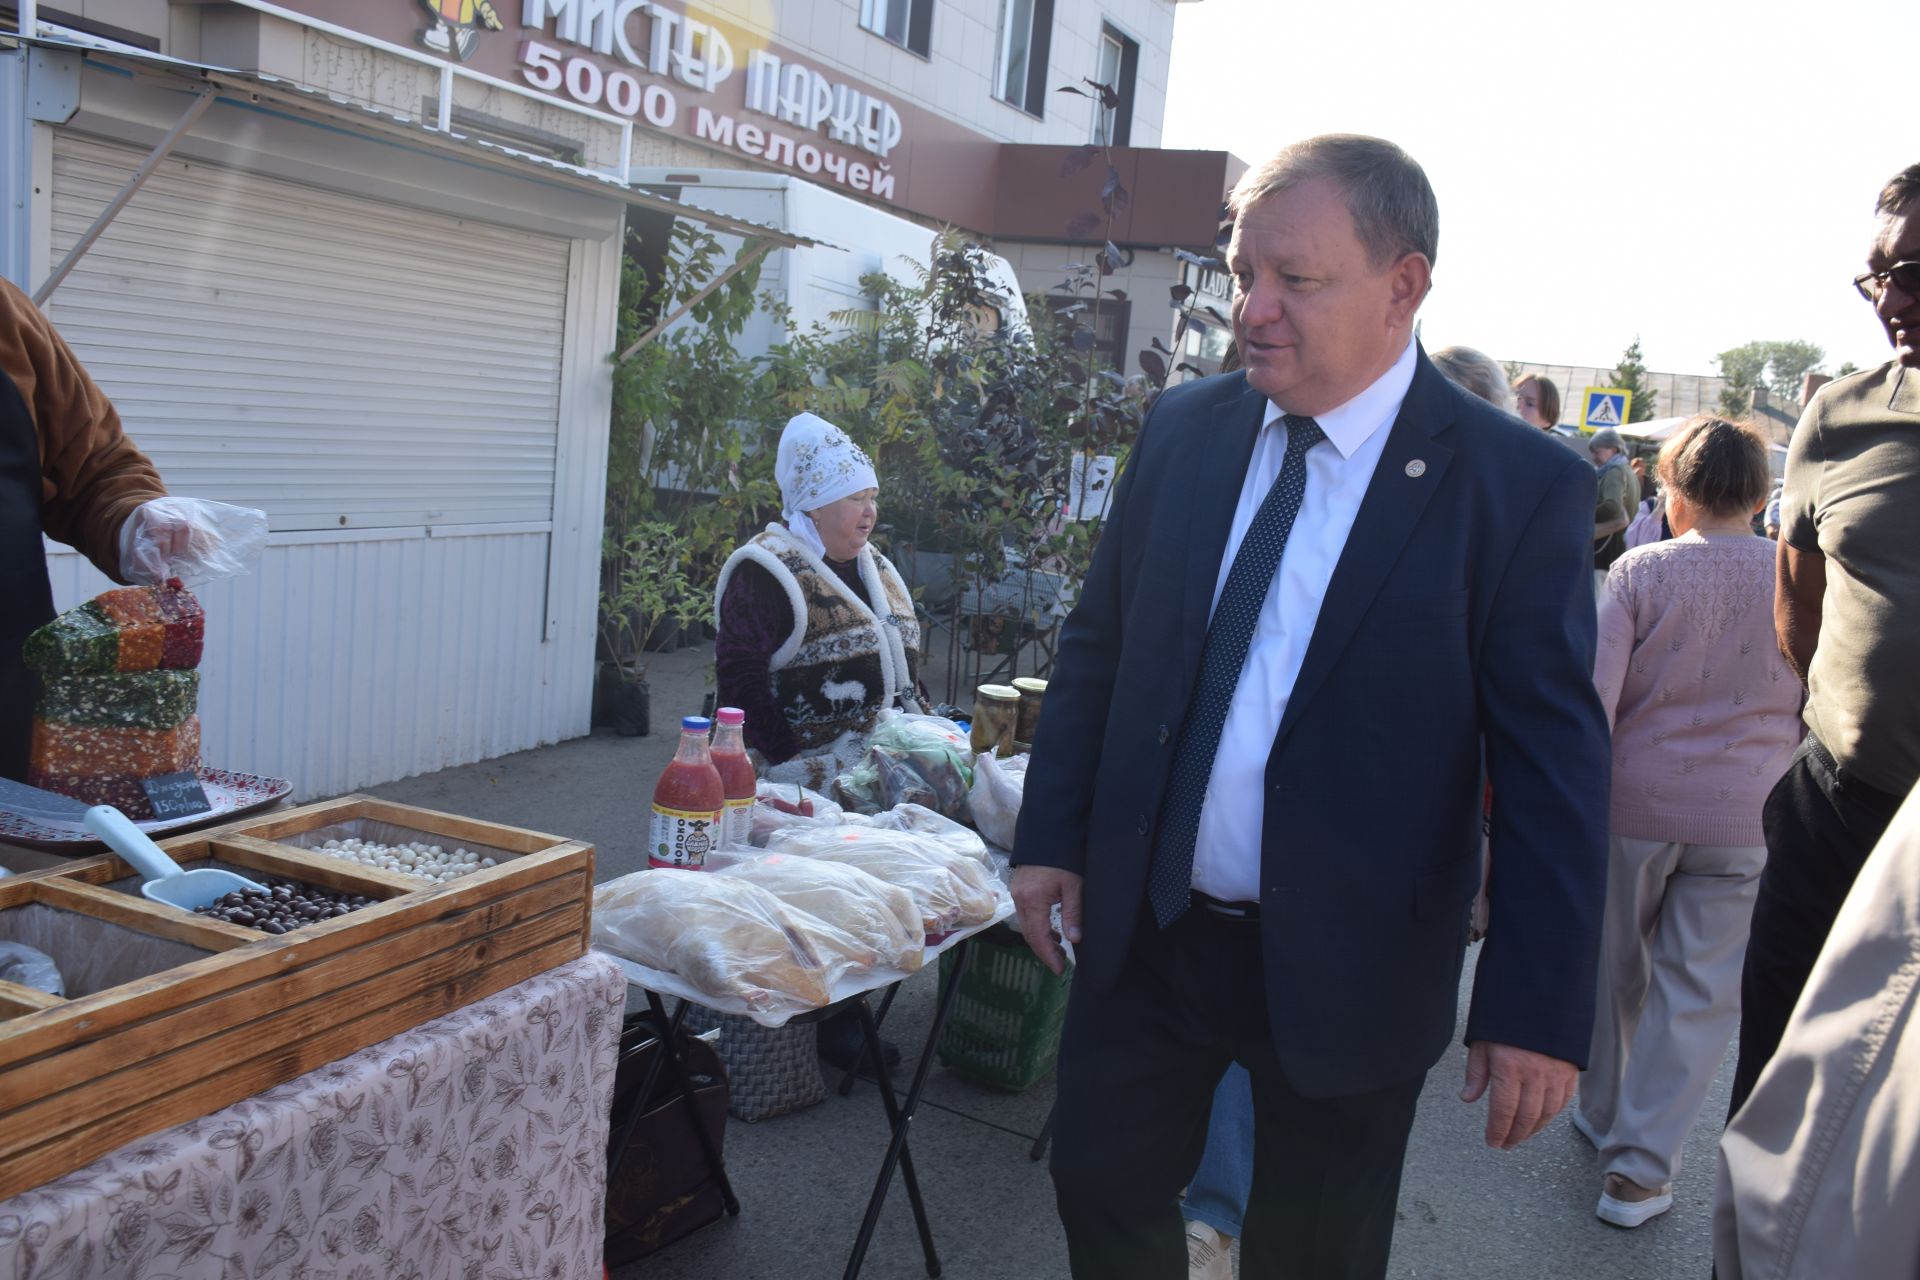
[(1625, 1203), (1209, 1254)]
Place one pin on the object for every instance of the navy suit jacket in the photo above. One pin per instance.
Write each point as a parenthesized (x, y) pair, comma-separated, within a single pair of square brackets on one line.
[(1460, 619)]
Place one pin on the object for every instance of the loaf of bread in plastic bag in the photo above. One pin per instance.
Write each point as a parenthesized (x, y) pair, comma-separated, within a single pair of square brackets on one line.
[(882, 917)]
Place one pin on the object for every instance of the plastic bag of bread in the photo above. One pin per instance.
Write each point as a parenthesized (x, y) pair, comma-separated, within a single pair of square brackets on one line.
[(727, 938), (919, 819), (882, 917), (951, 890)]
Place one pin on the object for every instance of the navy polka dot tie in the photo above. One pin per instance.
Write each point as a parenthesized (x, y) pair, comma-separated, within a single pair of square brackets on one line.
[(1170, 877)]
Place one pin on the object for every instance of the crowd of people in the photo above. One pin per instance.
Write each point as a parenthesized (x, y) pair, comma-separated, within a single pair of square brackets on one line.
[(1355, 642), (1372, 660)]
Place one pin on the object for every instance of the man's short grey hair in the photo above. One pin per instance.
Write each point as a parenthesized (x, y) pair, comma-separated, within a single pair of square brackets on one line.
[(1476, 372), (1900, 190), (1394, 211)]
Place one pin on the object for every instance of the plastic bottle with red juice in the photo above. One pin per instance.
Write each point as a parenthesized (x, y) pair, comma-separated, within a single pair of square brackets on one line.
[(688, 803), (737, 779)]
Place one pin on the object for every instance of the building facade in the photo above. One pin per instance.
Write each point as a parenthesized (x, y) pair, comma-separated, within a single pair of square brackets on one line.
[(355, 262)]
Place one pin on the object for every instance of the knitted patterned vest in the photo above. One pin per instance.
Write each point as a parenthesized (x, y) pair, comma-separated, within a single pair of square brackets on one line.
[(846, 658)]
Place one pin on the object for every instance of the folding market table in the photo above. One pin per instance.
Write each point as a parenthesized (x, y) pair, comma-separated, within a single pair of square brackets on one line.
[(853, 992)]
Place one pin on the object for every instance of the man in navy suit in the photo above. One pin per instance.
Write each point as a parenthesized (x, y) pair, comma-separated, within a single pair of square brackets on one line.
[(1334, 594)]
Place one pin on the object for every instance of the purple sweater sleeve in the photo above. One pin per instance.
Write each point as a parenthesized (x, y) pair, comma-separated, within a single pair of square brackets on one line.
[(755, 619)]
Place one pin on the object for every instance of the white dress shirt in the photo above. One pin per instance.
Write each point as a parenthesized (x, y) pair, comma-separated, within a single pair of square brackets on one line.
[(1226, 856)]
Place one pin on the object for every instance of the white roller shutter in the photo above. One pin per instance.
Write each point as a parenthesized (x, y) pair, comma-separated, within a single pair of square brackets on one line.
[(335, 360)]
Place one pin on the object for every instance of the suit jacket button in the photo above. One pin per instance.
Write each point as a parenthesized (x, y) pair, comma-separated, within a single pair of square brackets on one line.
[(1142, 825), (1162, 735)]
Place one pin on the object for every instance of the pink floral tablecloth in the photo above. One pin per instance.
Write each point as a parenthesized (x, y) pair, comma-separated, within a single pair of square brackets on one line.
[(472, 1147)]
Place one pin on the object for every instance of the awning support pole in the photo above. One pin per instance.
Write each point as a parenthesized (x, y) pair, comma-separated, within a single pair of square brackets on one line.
[(446, 98), (194, 111), (28, 18), (752, 253)]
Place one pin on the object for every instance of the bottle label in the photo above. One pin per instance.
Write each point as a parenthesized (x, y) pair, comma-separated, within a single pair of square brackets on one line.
[(682, 837), (736, 824)]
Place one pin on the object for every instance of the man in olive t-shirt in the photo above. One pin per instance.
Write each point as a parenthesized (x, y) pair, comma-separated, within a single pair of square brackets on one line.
[(1847, 610)]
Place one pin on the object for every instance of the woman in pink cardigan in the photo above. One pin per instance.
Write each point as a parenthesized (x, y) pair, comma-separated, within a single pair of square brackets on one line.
[(1705, 718)]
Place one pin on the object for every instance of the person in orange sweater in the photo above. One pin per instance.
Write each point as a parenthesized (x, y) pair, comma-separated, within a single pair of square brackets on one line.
[(67, 470)]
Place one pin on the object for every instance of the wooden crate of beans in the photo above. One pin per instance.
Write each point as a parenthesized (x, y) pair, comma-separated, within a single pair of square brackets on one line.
[(169, 1015)]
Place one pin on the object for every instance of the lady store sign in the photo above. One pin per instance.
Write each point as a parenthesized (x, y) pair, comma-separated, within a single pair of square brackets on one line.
[(664, 67)]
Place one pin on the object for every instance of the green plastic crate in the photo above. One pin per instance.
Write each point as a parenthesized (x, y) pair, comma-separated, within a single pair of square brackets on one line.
[(1004, 1027)]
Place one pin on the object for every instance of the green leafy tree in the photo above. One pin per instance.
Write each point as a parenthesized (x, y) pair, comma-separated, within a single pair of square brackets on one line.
[(1777, 366), (1630, 375)]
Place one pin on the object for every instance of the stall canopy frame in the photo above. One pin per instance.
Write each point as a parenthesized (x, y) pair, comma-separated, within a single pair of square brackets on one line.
[(211, 84)]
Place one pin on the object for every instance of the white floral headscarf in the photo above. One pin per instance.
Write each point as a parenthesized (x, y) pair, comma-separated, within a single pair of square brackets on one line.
[(817, 464)]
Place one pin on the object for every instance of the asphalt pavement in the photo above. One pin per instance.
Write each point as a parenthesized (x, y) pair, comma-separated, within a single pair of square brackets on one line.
[(803, 1179)]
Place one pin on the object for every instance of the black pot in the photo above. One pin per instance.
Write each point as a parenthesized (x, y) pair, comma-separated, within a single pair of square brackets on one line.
[(632, 705)]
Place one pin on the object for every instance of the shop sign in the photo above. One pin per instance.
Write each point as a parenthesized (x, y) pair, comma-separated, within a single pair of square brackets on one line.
[(658, 65)]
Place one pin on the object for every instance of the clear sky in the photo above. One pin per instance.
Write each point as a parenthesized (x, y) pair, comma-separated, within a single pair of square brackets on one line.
[(1699, 173)]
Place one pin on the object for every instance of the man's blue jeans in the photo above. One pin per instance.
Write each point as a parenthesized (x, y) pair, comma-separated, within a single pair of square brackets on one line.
[(1217, 1195)]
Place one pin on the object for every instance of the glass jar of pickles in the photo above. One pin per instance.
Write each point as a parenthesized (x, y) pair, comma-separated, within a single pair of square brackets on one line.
[(996, 713)]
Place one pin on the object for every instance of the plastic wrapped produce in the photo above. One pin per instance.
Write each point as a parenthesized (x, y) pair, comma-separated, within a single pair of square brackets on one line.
[(911, 759), (881, 916), (788, 804), (727, 938), (952, 891), (918, 818)]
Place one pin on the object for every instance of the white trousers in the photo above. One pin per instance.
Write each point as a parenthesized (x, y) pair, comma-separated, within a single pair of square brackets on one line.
[(1672, 947)]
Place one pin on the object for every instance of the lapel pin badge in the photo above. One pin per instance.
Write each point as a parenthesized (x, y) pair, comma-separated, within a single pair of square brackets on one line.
[(1416, 468)]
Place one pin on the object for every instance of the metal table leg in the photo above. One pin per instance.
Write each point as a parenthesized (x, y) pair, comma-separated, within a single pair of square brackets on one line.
[(669, 1058), (853, 1072), (900, 1117)]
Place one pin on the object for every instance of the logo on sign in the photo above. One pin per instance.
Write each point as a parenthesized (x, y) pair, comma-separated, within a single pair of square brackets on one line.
[(453, 26), (1606, 407)]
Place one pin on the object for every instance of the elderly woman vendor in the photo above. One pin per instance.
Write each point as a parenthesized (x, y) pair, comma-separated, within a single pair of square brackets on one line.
[(816, 629)]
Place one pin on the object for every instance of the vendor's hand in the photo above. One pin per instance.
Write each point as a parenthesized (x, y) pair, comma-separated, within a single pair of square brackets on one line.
[(1528, 1090), (155, 535), (1035, 891)]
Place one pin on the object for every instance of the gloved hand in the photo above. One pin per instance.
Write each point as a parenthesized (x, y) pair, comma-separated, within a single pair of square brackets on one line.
[(191, 539)]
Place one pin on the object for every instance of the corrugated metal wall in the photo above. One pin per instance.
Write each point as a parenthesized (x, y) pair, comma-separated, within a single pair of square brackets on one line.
[(434, 385)]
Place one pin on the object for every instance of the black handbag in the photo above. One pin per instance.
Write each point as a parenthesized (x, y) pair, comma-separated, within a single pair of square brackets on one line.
[(660, 1185)]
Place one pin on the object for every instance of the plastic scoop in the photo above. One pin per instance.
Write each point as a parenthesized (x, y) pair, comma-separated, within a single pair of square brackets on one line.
[(166, 882)]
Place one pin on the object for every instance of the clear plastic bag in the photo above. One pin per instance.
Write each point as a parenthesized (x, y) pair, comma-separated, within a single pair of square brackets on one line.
[(882, 917), (728, 939), (952, 891), (788, 804), (919, 819), (994, 800), (30, 967), (929, 774), (192, 539)]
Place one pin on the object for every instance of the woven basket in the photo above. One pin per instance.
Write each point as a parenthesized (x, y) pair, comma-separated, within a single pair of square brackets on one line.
[(770, 1070)]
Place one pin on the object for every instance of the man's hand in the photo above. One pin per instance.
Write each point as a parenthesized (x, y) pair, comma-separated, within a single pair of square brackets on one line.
[(1035, 891), (1529, 1089)]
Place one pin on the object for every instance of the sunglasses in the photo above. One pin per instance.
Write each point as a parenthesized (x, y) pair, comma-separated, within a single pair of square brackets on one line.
[(1874, 283)]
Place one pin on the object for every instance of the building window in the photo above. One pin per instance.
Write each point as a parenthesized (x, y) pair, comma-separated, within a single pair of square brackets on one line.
[(908, 23), (1108, 318), (1119, 59), (1026, 32)]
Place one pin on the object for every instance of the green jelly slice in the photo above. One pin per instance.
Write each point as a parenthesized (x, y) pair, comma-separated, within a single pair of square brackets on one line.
[(134, 700)]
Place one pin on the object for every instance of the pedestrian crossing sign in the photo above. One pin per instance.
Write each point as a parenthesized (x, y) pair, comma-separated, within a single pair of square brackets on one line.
[(1606, 407)]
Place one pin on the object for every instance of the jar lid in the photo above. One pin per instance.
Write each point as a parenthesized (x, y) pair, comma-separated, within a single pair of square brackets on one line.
[(1030, 684), (998, 692)]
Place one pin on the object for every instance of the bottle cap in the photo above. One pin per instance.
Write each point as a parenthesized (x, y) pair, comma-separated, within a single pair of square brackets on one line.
[(730, 715), (695, 724)]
